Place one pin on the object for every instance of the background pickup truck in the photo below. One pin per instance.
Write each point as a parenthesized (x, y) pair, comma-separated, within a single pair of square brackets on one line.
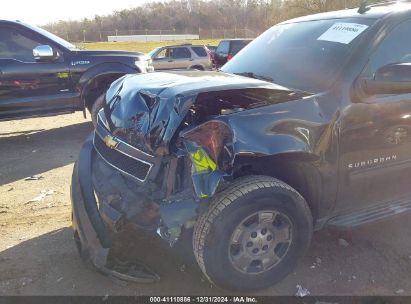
[(42, 74)]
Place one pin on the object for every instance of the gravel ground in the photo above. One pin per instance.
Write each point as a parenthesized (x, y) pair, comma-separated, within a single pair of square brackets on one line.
[(38, 256)]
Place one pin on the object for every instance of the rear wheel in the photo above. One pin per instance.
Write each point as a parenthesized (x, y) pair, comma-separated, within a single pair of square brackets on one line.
[(253, 234), (197, 68)]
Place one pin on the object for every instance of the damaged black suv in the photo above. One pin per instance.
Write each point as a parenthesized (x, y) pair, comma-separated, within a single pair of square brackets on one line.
[(308, 126)]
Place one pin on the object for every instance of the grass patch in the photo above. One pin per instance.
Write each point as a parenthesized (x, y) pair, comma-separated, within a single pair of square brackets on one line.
[(143, 47)]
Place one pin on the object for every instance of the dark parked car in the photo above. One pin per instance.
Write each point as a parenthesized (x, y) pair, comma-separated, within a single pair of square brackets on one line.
[(41, 74), (308, 126), (227, 49)]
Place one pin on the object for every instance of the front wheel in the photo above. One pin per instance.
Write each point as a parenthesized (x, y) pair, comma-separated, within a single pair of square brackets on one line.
[(253, 234), (197, 68)]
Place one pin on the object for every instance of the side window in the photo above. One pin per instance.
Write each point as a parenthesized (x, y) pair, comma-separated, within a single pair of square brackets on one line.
[(181, 53), (237, 46), (395, 48), (200, 51), (223, 47), (15, 45), (164, 53)]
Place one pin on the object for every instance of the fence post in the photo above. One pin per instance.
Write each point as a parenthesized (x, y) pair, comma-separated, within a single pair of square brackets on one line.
[(101, 37), (84, 35)]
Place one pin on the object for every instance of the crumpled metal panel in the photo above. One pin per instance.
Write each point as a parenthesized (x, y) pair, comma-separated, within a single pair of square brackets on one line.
[(216, 120), (147, 110)]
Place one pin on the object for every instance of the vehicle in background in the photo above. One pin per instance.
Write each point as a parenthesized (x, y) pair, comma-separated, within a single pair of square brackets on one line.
[(42, 74), (211, 48), (184, 56), (211, 52), (227, 49)]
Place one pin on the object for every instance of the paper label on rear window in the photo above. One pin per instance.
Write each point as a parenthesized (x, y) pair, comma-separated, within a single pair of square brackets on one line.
[(343, 32)]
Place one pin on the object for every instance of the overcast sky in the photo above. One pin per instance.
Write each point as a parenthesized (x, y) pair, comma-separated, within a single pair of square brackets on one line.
[(41, 12)]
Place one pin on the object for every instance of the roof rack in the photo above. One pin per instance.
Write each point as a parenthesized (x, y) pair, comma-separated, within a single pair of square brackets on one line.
[(363, 7), (183, 44)]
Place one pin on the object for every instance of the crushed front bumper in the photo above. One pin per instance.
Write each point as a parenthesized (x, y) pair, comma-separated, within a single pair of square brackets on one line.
[(90, 232)]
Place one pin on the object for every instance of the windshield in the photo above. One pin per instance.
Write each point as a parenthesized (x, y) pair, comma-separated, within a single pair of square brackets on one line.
[(53, 37), (306, 56), (153, 52)]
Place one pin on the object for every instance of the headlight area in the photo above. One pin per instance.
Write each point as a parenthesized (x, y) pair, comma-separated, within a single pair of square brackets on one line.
[(208, 146)]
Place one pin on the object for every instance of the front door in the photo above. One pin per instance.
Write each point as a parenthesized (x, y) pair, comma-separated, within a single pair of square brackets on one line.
[(375, 146), (181, 57), (28, 87), (162, 60)]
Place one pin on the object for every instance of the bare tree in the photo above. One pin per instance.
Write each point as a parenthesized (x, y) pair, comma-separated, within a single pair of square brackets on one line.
[(195, 15)]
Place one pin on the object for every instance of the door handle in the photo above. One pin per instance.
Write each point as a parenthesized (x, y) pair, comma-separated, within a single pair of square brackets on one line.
[(170, 60), (191, 59)]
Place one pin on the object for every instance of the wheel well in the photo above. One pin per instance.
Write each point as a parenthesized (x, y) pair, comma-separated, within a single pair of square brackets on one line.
[(98, 86), (296, 170), (197, 67)]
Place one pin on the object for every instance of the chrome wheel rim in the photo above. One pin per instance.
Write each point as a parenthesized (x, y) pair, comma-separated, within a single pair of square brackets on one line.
[(260, 241)]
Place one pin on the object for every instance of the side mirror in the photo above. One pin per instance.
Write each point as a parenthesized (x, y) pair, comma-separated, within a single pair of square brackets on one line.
[(44, 53), (390, 79)]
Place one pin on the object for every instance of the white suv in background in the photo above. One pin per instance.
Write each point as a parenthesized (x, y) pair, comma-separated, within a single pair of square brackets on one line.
[(184, 56)]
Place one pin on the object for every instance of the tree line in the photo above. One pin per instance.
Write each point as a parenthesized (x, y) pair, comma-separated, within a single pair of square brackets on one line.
[(193, 16)]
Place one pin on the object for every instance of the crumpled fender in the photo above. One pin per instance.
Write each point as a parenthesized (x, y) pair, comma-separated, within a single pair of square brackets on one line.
[(270, 131), (147, 110), (249, 117)]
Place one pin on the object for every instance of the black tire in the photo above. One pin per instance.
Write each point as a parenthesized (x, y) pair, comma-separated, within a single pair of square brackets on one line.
[(197, 68), (97, 106), (214, 231)]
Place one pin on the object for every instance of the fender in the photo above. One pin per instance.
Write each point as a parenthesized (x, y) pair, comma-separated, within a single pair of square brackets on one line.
[(98, 71), (300, 152), (303, 152)]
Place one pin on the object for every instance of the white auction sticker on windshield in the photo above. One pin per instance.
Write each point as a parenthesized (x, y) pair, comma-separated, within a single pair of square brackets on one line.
[(343, 32)]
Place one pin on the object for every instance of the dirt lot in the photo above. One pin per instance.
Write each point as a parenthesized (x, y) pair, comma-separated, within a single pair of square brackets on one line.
[(38, 257)]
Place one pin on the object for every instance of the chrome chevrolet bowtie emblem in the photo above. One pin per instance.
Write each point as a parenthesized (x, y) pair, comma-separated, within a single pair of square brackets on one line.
[(110, 142)]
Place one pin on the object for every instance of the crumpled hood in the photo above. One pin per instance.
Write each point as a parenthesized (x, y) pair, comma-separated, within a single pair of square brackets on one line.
[(146, 110)]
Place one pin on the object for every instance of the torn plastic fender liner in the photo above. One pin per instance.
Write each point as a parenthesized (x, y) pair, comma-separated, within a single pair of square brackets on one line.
[(175, 215), (209, 146)]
